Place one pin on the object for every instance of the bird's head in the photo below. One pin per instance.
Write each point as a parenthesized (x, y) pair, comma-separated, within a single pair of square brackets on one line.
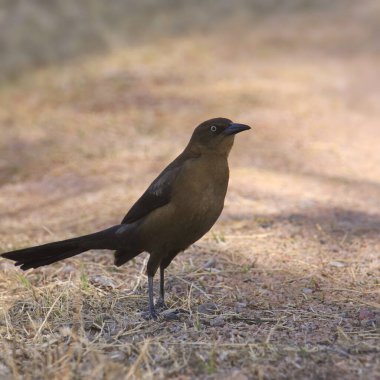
[(216, 134)]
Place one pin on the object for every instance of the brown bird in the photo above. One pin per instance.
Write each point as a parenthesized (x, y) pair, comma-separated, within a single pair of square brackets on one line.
[(176, 210)]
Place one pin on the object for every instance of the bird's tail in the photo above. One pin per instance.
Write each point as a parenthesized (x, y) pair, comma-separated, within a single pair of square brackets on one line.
[(45, 254)]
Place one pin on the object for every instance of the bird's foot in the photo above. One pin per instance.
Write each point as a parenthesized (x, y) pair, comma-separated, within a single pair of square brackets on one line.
[(166, 314), (173, 314), (161, 305), (150, 314), (170, 314)]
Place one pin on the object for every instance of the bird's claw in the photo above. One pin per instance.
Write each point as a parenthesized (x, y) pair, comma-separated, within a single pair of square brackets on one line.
[(171, 314), (166, 315), (150, 314), (161, 305)]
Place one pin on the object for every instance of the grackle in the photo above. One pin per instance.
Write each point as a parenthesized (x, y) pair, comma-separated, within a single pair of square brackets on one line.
[(176, 210)]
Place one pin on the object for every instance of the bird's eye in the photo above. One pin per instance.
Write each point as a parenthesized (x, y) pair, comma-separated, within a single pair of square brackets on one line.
[(213, 128)]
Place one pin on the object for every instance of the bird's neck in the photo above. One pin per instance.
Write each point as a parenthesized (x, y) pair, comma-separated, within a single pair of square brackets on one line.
[(198, 150)]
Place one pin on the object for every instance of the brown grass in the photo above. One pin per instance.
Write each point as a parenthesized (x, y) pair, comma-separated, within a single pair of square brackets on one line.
[(287, 283)]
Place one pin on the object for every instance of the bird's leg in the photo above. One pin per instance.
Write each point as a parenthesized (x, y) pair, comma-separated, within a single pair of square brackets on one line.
[(151, 269), (152, 310), (161, 301)]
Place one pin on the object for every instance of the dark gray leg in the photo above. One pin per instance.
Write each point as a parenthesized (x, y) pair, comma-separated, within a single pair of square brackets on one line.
[(153, 264), (162, 283), (161, 301), (152, 310)]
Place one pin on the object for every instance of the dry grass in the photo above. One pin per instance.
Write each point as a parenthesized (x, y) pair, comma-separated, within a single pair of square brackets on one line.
[(286, 285)]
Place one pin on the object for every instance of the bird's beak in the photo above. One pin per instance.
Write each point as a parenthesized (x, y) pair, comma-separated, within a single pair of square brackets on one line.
[(234, 128)]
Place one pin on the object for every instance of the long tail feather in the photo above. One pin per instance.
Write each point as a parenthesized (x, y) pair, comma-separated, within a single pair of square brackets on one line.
[(34, 257)]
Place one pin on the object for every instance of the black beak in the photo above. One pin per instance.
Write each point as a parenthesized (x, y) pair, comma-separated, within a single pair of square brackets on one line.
[(234, 128)]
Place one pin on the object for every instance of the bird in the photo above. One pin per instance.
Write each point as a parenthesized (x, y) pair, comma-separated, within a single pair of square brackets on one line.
[(176, 210)]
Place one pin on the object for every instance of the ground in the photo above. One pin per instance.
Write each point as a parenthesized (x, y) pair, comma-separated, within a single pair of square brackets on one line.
[(286, 285)]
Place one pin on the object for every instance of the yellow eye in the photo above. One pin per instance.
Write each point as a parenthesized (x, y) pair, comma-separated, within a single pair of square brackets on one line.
[(213, 128)]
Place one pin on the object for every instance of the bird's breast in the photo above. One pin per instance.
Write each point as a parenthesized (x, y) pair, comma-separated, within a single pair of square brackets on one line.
[(195, 204), (202, 186), (198, 200)]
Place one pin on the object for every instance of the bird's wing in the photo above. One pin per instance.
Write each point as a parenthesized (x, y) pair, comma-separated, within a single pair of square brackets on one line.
[(158, 193)]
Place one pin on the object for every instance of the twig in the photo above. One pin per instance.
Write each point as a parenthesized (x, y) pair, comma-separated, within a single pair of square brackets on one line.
[(194, 286), (47, 316)]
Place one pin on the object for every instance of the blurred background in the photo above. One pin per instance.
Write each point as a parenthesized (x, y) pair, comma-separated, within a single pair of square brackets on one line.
[(41, 32), (96, 97), (91, 86)]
